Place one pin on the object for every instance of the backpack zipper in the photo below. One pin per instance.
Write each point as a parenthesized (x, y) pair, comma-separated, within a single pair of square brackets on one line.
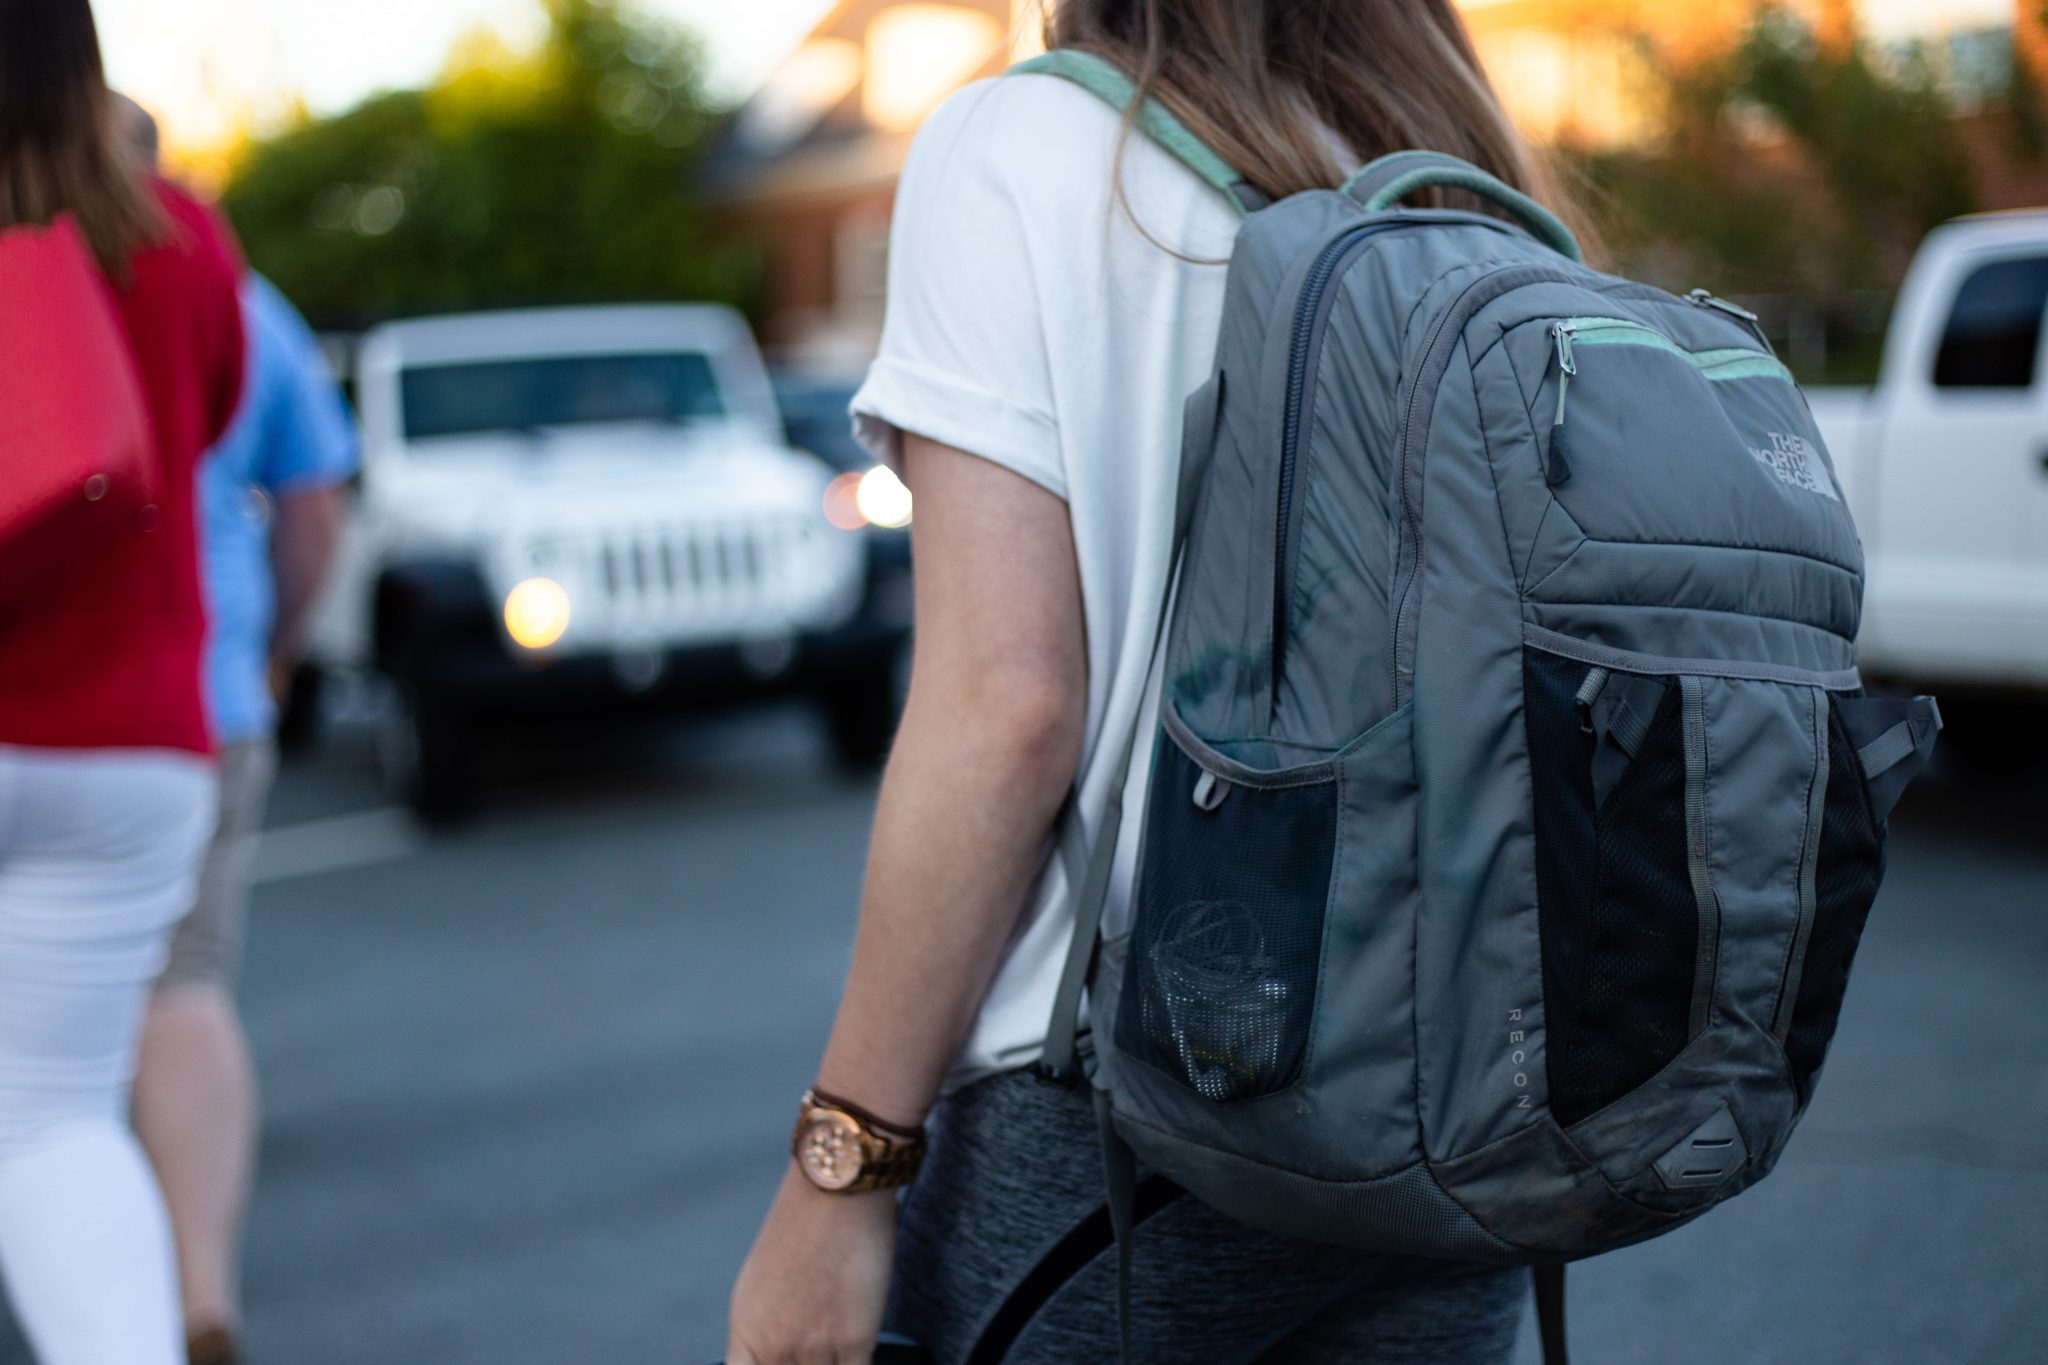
[(1719, 364), (1557, 468), (1716, 366), (1309, 311), (1703, 299), (1436, 353)]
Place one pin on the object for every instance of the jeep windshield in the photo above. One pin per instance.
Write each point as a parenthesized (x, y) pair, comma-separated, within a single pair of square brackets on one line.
[(530, 394)]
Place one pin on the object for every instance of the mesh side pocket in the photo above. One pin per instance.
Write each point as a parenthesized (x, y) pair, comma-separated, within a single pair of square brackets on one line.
[(1619, 923), (1226, 944), (1852, 862)]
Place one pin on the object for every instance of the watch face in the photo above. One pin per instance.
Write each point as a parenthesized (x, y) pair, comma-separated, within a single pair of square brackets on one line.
[(830, 1151)]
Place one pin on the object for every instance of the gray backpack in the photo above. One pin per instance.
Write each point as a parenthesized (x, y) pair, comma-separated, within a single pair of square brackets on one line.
[(1516, 806)]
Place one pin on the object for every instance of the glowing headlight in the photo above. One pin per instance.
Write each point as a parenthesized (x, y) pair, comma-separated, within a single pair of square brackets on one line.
[(536, 613), (842, 503), (882, 498), (874, 497)]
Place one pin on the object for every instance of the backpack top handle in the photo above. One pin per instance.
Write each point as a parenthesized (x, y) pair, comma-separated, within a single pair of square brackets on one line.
[(1389, 180), (1105, 79)]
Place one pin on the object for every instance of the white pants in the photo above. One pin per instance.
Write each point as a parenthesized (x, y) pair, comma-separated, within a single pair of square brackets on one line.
[(98, 852)]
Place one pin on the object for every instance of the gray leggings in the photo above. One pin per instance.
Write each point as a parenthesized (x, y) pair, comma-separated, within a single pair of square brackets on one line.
[(1013, 1186)]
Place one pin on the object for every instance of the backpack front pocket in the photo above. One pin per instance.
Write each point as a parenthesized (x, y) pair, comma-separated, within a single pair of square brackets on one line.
[(1874, 746), (1641, 440), (1627, 960), (1707, 850), (1227, 933)]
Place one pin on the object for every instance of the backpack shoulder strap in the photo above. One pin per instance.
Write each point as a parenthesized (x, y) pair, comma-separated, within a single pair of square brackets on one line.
[(1106, 80), (1550, 1314), (1088, 867)]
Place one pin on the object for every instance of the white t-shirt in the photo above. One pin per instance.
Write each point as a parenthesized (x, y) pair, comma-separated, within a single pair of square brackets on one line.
[(1034, 321)]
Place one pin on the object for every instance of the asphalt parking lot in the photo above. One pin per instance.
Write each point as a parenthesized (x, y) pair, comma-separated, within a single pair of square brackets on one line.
[(526, 1082)]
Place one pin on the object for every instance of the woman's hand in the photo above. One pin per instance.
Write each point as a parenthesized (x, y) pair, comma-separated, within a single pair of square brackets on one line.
[(814, 1286)]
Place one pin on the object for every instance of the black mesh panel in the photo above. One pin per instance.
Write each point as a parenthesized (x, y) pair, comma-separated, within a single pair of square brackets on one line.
[(1852, 860), (1619, 922), (1220, 985)]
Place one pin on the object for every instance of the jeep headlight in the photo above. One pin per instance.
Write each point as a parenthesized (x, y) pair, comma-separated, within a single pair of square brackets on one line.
[(873, 497), (537, 613)]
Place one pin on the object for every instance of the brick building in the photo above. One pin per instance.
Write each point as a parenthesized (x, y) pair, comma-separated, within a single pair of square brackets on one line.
[(808, 166)]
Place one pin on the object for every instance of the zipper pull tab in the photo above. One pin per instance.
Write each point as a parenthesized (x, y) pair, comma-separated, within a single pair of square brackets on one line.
[(1557, 467), (1700, 298), (1210, 791), (1589, 692), (1567, 360), (1709, 300)]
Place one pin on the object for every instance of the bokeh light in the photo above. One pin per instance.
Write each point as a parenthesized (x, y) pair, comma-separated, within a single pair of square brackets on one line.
[(537, 613)]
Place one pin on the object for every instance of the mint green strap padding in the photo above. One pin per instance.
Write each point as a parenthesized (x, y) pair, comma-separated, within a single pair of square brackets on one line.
[(1391, 179), (1103, 78)]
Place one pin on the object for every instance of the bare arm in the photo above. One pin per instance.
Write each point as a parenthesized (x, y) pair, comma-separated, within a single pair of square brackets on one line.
[(304, 529), (990, 742)]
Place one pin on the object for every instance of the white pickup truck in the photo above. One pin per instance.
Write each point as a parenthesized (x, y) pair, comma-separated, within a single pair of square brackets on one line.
[(586, 507), (1945, 465)]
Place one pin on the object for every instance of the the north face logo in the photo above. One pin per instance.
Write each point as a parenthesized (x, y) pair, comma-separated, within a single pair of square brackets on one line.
[(1795, 461)]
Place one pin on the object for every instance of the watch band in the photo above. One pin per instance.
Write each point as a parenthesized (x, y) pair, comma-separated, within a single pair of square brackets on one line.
[(889, 1154), (866, 1118), (889, 1170)]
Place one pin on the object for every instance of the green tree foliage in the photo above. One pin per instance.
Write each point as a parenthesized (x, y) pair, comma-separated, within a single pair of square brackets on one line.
[(1788, 166), (553, 177)]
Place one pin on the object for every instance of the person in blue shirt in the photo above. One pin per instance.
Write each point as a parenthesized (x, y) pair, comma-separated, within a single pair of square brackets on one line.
[(271, 504)]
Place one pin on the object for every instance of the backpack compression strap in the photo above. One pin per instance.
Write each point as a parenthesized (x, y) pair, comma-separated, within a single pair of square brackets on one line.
[(1103, 78)]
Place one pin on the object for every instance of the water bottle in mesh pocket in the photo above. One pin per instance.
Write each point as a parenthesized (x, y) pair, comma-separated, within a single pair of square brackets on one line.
[(1216, 1002)]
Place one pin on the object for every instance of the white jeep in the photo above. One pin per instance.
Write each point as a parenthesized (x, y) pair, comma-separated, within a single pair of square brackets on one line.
[(584, 506)]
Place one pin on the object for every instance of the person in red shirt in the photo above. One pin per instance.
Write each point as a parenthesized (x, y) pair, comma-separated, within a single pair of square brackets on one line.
[(106, 773)]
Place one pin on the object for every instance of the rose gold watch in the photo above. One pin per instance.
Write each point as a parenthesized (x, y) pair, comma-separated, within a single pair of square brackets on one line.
[(843, 1149)]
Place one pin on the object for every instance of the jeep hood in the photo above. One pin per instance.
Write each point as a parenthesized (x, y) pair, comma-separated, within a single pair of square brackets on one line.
[(476, 489)]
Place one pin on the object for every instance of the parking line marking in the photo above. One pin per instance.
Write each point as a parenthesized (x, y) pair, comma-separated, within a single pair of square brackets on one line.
[(337, 844)]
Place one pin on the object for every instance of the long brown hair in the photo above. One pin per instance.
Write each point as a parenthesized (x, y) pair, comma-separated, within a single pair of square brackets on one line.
[(61, 147), (1254, 78)]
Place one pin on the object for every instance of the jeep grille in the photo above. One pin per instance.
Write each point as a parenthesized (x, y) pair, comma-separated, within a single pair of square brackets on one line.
[(689, 582)]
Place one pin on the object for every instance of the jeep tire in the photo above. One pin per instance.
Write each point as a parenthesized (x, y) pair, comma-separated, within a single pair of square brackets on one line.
[(427, 752), (861, 709)]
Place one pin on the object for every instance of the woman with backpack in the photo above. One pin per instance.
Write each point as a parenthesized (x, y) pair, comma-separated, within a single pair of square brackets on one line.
[(106, 769), (1056, 286)]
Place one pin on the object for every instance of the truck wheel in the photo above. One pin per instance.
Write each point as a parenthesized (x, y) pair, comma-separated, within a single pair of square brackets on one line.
[(861, 710), (1996, 738), (424, 747)]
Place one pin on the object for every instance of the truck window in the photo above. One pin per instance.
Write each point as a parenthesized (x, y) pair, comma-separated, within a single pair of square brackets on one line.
[(527, 394), (1993, 339)]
